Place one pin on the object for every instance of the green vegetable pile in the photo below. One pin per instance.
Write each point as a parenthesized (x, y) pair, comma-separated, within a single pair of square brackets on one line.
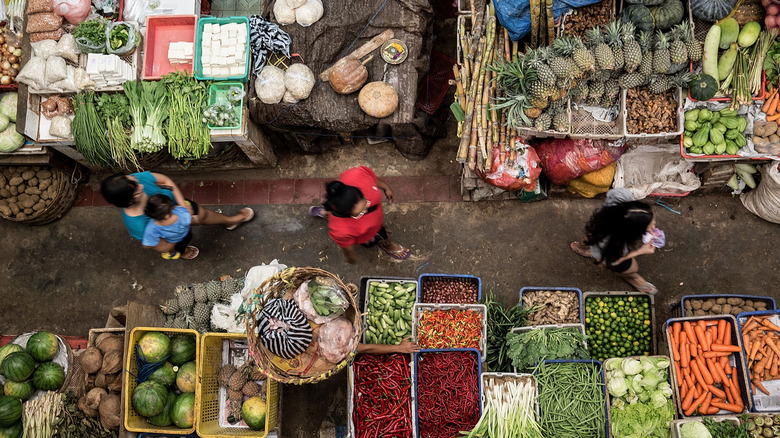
[(763, 426), (90, 36), (726, 429), (618, 326), (714, 132), (119, 35), (499, 323), (188, 135), (772, 64), (115, 109), (571, 400), (326, 299), (640, 396), (389, 318), (526, 349), (89, 131), (149, 109)]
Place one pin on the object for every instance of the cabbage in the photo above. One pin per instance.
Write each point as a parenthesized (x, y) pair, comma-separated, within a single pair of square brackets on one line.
[(10, 140), (636, 384), (658, 399), (650, 379), (694, 429), (617, 387), (631, 366), (8, 106), (4, 122), (665, 389), (612, 365)]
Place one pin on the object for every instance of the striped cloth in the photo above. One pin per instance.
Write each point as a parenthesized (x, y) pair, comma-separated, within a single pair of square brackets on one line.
[(283, 328)]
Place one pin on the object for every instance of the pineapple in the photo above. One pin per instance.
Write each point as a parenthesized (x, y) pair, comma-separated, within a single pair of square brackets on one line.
[(235, 395), (605, 59), (580, 92), (646, 43), (251, 389), (202, 313), (543, 122), (179, 322), (230, 287), (659, 84), (678, 53), (661, 58), (692, 45), (632, 51), (185, 297), (682, 80), (561, 62), (227, 370), (631, 80), (538, 94), (538, 61), (256, 374), (238, 379), (582, 56), (615, 43), (532, 112), (596, 90), (561, 121), (611, 91), (213, 293), (169, 321), (199, 290), (170, 307)]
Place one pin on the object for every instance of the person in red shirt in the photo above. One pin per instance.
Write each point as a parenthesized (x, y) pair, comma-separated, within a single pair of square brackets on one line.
[(353, 208)]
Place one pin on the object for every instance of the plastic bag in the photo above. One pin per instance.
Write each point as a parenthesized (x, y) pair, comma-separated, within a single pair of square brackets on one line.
[(764, 201), (564, 159), (66, 48), (135, 10), (75, 11), (68, 83), (40, 36), (44, 49), (82, 80), (593, 183), (56, 69), (515, 15), (302, 298), (60, 127), (35, 6), (31, 73), (132, 38), (43, 22), (336, 339), (327, 297), (655, 169), (522, 173)]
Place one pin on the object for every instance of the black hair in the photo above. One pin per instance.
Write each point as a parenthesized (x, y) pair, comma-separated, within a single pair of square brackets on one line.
[(158, 207), (341, 198), (618, 227), (118, 189)]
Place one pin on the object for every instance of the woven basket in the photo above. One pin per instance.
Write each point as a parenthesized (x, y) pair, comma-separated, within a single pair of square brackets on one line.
[(309, 366), (64, 196), (152, 160)]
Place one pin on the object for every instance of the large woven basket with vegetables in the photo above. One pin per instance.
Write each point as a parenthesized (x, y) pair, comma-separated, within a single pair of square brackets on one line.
[(310, 366), (47, 194)]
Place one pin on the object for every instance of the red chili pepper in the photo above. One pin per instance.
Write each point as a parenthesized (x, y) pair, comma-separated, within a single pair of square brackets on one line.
[(447, 404), (449, 329), (382, 399)]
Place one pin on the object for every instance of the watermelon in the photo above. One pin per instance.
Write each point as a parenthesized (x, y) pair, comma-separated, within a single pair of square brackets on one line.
[(185, 378), (18, 366), (164, 375), (164, 418), (183, 412), (43, 346), (10, 410), (155, 346), (20, 390), (149, 398), (253, 411), (7, 349), (13, 431), (49, 376), (182, 349)]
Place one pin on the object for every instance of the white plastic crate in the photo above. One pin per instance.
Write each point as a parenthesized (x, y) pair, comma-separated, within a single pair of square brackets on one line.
[(673, 135), (480, 308)]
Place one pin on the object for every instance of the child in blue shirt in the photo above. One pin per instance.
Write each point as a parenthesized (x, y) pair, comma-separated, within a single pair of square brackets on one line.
[(170, 223)]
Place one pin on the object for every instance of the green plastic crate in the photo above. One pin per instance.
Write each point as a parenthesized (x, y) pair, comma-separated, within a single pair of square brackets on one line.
[(220, 88), (198, 66)]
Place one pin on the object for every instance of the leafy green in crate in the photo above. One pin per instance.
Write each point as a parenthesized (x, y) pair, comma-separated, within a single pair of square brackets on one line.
[(526, 349), (499, 323), (641, 397)]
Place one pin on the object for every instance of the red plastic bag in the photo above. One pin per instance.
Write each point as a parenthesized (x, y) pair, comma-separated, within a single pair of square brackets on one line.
[(519, 173), (564, 159)]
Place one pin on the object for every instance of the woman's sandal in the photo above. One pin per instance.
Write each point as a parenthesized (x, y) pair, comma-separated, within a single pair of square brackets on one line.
[(575, 246), (399, 254), (647, 287), (190, 253), (248, 218)]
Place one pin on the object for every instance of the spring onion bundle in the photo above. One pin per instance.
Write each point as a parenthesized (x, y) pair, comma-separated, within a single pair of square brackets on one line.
[(114, 109), (509, 410), (188, 135), (89, 131)]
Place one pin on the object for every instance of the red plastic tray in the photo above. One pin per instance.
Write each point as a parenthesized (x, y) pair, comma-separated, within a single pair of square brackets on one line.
[(759, 96), (714, 157), (160, 31)]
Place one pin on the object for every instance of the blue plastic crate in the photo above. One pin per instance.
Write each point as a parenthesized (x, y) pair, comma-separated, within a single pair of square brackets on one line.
[(417, 374), (553, 289), (452, 277), (739, 362), (771, 305), (759, 402), (603, 384)]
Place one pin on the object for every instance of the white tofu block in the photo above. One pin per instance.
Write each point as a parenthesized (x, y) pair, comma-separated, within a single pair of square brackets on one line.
[(216, 46), (236, 71), (232, 33), (207, 71), (188, 50), (230, 42), (206, 51), (241, 34), (205, 37), (92, 64), (223, 33)]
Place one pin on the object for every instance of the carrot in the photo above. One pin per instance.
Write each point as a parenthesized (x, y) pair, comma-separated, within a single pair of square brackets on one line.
[(713, 410), (760, 386), (721, 329), (696, 403), (697, 391), (768, 363), (753, 389), (768, 324), (708, 338), (688, 329), (689, 380), (774, 370), (721, 347), (717, 399), (716, 392), (720, 371), (746, 342), (675, 345), (688, 399), (772, 345), (705, 405), (769, 106), (727, 334), (773, 106), (724, 362), (735, 390), (685, 355), (704, 371), (676, 329), (774, 117), (697, 374), (701, 338), (713, 372), (754, 351), (680, 377), (727, 406), (715, 354), (683, 391), (751, 324), (765, 107)]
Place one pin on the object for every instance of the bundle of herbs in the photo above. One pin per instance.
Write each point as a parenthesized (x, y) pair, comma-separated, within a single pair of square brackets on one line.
[(528, 348), (114, 109), (499, 323), (90, 36), (148, 109), (89, 131), (188, 135)]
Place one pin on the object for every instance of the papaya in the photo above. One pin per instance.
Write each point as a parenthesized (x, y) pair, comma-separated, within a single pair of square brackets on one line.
[(726, 62), (749, 34), (729, 31)]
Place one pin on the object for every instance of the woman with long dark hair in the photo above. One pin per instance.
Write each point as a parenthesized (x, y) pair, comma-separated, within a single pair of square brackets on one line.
[(353, 208), (619, 232)]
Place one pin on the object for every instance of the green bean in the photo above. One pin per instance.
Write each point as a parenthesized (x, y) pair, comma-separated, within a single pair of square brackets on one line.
[(571, 400)]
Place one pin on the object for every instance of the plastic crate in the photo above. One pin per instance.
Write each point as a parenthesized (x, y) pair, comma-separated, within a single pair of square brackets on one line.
[(133, 421), (481, 308), (351, 405), (564, 17), (736, 360), (653, 336), (584, 125), (365, 296), (527, 289), (662, 135), (220, 88), (518, 377), (770, 302), (580, 327), (424, 278), (210, 361), (603, 387), (533, 133), (416, 373), (760, 401), (609, 399), (161, 30), (198, 36), (363, 289), (677, 424)]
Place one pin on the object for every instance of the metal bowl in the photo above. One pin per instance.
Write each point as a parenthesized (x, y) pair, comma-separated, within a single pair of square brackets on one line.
[(394, 51)]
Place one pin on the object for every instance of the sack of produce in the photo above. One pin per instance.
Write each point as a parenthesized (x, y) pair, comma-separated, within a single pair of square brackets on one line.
[(283, 329), (564, 159), (336, 339), (764, 201), (521, 174)]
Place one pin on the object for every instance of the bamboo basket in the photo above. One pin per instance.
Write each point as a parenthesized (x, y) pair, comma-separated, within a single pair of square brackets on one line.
[(152, 160), (65, 195), (309, 366)]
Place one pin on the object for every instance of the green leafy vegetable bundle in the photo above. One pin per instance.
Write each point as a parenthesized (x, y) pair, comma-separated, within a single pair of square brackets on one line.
[(148, 109), (499, 323), (188, 135), (641, 397), (89, 131), (526, 349), (114, 109)]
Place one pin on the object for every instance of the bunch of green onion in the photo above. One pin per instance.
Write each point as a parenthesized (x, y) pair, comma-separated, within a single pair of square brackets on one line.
[(509, 409)]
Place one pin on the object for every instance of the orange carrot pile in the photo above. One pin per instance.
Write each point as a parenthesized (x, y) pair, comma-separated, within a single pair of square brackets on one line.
[(706, 380), (770, 106), (761, 341)]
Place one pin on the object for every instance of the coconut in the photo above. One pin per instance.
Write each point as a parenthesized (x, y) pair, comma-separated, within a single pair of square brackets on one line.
[(299, 80), (86, 409), (114, 382), (94, 397), (91, 360), (112, 362), (100, 380), (111, 343), (101, 337), (283, 13), (110, 411)]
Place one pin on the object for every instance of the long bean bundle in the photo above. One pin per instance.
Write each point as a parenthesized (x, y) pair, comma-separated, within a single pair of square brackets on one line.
[(447, 393), (571, 400), (188, 135), (89, 131)]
